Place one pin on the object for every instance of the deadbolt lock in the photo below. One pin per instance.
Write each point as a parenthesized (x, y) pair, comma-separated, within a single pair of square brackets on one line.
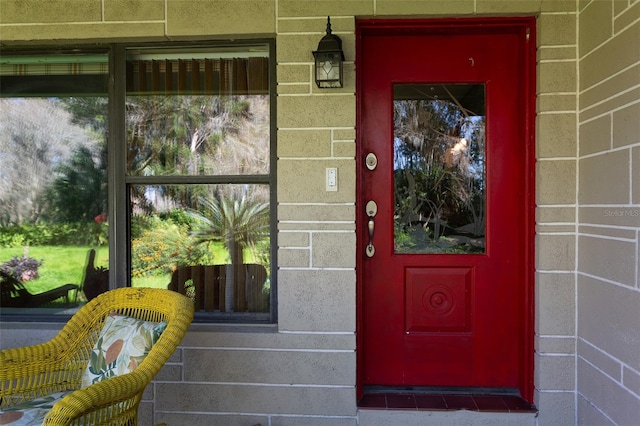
[(371, 208), (371, 161)]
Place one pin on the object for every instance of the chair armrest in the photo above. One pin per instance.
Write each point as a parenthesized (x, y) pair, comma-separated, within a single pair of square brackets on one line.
[(24, 361), (26, 370), (115, 398)]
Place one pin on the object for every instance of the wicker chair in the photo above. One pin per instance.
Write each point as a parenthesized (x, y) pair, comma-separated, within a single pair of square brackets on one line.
[(36, 371)]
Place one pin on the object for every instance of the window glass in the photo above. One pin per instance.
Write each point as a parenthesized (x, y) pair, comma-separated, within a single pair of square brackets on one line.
[(202, 112), (192, 177), (210, 242), (198, 175), (53, 180)]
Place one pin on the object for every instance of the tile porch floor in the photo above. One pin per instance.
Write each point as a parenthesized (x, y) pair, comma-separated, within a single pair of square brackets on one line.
[(406, 408), (445, 401)]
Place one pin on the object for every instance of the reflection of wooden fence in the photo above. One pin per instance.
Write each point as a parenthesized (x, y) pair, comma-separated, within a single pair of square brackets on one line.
[(206, 284)]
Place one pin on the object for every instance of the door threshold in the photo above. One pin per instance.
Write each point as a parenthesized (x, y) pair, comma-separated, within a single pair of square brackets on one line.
[(422, 398)]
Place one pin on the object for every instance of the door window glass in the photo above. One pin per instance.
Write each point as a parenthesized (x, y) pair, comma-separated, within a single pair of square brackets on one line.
[(439, 168)]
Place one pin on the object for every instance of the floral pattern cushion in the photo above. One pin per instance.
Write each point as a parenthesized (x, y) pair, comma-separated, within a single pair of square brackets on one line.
[(122, 345), (30, 413)]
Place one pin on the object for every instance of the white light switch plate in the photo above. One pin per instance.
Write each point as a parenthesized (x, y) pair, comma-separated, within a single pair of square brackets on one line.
[(332, 179)]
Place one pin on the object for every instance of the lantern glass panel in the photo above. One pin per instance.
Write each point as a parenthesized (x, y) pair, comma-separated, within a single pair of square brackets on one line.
[(328, 69)]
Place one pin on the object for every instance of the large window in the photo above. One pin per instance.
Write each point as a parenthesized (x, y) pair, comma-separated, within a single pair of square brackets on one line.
[(53, 178), (180, 195)]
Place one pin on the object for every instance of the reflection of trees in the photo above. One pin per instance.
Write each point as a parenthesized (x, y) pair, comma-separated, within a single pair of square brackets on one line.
[(195, 135), (239, 220), (439, 166), (37, 136), (79, 190)]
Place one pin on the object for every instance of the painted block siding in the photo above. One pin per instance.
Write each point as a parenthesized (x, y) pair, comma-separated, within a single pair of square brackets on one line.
[(302, 370), (608, 234)]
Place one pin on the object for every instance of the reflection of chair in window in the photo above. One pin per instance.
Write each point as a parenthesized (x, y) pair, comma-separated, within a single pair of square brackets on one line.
[(96, 280), (13, 294), (205, 285)]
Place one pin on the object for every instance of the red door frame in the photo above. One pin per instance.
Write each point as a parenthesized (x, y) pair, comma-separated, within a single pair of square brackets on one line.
[(394, 26)]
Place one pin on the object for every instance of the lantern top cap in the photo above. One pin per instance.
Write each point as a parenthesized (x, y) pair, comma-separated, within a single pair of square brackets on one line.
[(328, 25), (330, 42)]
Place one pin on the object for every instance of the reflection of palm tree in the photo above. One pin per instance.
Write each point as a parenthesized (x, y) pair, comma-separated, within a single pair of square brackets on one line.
[(239, 222)]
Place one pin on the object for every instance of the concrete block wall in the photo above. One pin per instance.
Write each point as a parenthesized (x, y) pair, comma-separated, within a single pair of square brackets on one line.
[(302, 370), (608, 237), (556, 174)]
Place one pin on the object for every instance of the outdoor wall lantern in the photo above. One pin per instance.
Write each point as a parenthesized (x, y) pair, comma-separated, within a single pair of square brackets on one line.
[(329, 58)]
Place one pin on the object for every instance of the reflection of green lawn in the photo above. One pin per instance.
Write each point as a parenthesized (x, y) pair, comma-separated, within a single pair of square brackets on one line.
[(60, 264), (418, 240), (155, 281), (66, 264)]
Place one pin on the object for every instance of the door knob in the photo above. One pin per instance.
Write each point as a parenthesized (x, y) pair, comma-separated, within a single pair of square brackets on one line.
[(371, 210)]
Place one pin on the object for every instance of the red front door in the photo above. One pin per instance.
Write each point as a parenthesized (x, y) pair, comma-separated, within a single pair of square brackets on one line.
[(445, 203)]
